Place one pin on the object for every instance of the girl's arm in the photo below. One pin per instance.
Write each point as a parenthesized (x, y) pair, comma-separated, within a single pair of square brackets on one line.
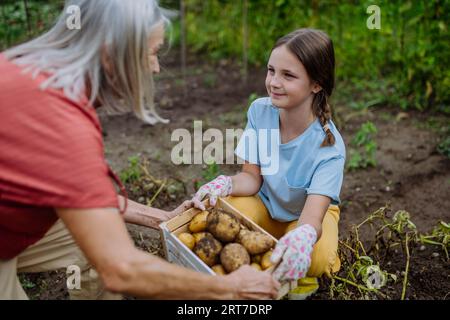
[(248, 182), (293, 251), (314, 211)]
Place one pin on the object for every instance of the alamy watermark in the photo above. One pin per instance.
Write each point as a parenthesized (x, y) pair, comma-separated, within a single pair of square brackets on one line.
[(73, 278), (73, 281), (256, 146), (374, 20), (73, 21), (375, 278)]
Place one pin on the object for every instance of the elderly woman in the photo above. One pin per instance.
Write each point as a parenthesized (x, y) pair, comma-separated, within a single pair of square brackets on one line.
[(58, 205)]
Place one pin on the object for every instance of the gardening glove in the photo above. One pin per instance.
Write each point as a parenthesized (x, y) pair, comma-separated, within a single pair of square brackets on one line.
[(293, 252), (219, 187)]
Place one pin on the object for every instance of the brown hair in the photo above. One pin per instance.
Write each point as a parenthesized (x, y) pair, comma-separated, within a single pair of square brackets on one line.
[(315, 51)]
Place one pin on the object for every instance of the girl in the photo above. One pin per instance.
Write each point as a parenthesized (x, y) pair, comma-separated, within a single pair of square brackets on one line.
[(58, 206), (298, 203)]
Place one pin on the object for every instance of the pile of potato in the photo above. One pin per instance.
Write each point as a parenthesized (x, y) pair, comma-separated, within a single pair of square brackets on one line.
[(224, 244)]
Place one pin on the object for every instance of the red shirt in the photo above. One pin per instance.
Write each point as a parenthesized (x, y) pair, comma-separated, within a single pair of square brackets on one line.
[(51, 156)]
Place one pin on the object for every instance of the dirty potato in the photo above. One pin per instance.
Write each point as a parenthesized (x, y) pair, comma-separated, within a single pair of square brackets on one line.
[(223, 225), (255, 242), (265, 261), (200, 235), (198, 223), (187, 239), (208, 250), (233, 256), (218, 269)]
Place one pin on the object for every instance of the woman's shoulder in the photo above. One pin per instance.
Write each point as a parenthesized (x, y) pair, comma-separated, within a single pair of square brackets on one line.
[(47, 109)]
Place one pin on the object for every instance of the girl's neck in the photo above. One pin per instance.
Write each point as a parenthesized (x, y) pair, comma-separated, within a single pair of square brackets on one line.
[(294, 121)]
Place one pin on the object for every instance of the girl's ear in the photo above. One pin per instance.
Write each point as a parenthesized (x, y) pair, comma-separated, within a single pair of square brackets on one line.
[(316, 88)]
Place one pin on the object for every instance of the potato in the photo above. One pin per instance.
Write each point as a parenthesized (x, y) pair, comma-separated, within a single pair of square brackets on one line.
[(200, 235), (218, 269), (208, 250), (233, 256), (222, 225), (265, 261), (256, 266), (255, 242), (243, 227), (188, 240), (256, 258), (198, 223)]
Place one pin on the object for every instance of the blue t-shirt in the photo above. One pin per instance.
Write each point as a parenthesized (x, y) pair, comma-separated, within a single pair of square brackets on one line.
[(299, 168)]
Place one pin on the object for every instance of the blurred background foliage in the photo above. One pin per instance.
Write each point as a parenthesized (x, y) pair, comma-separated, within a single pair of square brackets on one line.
[(404, 64), (23, 20)]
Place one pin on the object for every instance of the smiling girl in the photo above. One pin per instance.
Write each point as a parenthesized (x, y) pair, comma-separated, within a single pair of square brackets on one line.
[(299, 203)]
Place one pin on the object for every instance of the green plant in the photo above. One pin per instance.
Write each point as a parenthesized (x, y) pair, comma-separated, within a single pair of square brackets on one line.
[(210, 80), (362, 274), (17, 26), (252, 97), (133, 172), (440, 236), (361, 270), (210, 172), (362, 155), (444, 147), (26, 282)]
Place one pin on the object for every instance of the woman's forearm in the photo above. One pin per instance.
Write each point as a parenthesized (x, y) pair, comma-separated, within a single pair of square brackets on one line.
[(103, 238), (178, 283)]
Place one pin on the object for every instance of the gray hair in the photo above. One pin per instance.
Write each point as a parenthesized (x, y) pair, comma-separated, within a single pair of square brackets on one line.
[(74, 58)]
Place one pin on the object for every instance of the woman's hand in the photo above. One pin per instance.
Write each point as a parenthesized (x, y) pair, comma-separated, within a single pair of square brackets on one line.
[(249, 283), (219, 187), (294, 251)]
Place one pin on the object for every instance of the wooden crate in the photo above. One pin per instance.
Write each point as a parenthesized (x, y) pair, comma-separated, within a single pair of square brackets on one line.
[(176, 252)]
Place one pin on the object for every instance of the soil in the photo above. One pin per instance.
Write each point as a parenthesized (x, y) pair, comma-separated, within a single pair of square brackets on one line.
[(428, 276), (409, 174)]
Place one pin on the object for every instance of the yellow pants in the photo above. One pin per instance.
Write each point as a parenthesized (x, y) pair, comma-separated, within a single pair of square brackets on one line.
[(57, 250), (325, 259)]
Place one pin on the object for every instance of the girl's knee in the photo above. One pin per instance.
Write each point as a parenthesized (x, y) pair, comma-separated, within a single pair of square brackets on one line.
[(247, 205)]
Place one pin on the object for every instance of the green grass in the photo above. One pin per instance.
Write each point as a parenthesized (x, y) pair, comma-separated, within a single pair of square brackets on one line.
[(363, 148)]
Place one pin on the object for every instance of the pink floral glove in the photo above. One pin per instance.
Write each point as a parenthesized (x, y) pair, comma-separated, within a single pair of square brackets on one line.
[(294, 250), (219, 187)]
